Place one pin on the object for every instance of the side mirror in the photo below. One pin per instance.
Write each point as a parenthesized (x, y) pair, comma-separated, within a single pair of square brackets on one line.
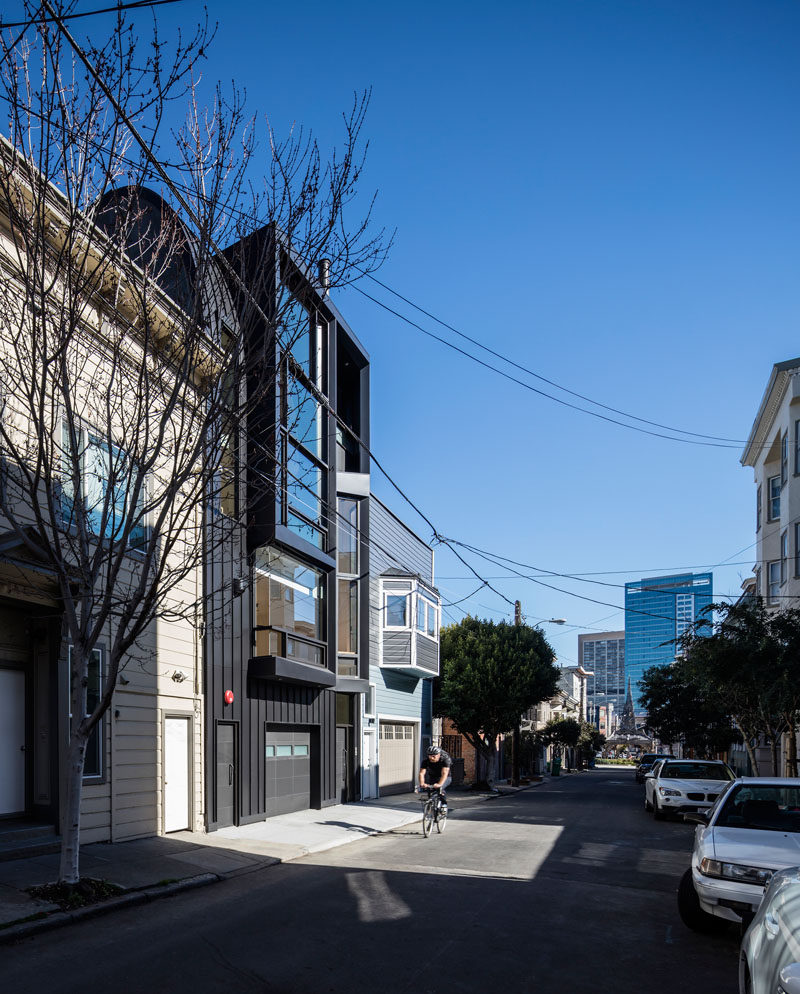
[(649, 776), (790, 978), (701, 818)]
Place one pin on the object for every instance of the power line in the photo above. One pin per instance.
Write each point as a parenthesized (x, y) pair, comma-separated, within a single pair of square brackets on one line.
[(533, 389), (544, 379), (86, 13)]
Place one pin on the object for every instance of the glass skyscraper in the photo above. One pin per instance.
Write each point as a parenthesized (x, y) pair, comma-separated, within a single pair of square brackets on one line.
[(603, 655), (657, 610)]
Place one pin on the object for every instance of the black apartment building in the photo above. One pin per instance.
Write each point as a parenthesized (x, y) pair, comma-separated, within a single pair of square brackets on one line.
[(285, 637)]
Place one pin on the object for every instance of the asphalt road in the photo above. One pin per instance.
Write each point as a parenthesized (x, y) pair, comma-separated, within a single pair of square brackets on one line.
[(568, 887)]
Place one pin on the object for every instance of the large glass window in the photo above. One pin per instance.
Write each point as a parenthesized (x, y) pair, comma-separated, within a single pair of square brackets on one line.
[(93, 763), (347, 590), (289, 607), (427, 616), (347, 536), (784, 555), (106, 478), (774, 496)]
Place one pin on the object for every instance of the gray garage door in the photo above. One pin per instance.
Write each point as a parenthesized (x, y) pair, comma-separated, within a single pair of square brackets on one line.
[(288, 772), (396, 757)]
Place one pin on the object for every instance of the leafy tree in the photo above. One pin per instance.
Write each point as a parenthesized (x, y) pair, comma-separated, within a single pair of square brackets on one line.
[(561, 732), (679, 710), (589, 741), (749, 665), (491, 674)]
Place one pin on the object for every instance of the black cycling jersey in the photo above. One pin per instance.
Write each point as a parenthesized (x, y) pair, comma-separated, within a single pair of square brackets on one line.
[(433, 765)]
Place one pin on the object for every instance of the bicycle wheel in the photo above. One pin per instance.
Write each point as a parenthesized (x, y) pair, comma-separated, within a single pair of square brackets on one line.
[(427, 818), (441, 818)]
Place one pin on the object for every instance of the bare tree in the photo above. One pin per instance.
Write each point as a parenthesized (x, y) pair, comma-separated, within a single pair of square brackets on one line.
[(127, 370)]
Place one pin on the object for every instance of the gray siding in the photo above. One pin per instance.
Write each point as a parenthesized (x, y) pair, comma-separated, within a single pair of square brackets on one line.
[(396, 648), (427, 654)]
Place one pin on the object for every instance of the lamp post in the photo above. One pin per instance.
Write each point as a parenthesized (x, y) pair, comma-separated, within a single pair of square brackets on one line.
[(515, 735)]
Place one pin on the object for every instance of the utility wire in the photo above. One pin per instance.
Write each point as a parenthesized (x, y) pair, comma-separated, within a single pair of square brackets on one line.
[(544, 379), (86, 13), (533, 389)]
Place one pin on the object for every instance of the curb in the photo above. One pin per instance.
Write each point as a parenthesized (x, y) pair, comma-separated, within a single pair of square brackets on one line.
[(24, 929)]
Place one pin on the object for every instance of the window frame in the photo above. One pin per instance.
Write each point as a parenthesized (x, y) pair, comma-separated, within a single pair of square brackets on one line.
[(759, 494), (405, 595), (797, 548), (784, 458), (797, 447), (284, 634), (773, 498), (97, 734), (87, 436), (371, 701), (774, 566), (784, 555)]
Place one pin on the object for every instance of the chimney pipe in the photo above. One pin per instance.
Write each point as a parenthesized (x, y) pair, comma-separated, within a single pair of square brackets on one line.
[(324, 268)]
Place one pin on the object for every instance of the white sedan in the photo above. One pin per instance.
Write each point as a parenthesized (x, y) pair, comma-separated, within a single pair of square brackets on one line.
[(752, 831), (769, 959), (680, 785)]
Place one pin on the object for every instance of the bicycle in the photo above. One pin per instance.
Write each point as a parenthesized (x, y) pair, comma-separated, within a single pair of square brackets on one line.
[(434, 811)]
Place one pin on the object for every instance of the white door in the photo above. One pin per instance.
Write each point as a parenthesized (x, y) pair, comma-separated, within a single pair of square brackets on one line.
[(12, 742), (176, 773)]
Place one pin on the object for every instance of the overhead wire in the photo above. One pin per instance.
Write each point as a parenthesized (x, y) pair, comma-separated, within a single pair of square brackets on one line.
[(87, 13)]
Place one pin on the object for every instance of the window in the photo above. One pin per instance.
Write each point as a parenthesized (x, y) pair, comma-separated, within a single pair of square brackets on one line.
[(797, 549), (369, 702), (427, 620), (289, 608), (106, 478), (347, 561), (758, 508), (784, 458), (758, 580), (774, 497), (797, 448), (784, 555), (396, 609), (93, 763), (684, 613), (773, 582), (229, 462)]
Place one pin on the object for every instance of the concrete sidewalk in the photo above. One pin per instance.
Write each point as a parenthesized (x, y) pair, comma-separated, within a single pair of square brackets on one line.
[(162, 865)]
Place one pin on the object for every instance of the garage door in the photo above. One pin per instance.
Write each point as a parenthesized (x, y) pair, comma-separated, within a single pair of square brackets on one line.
[(397, 764), (288, 772)]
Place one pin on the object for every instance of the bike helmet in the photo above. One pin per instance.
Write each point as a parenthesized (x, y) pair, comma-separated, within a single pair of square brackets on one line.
[(434, 750)]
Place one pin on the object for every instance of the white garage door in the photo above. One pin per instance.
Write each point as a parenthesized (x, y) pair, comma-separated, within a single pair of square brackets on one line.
[(397, 757)]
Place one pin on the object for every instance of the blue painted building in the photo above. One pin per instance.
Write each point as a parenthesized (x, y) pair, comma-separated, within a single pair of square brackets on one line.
[(658, 610)]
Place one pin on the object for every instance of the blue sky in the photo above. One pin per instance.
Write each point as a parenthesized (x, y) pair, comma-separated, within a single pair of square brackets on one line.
[(605, 192)]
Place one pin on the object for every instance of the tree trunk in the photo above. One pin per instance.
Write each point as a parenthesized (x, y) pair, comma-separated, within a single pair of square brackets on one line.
[(792, 758), (750, 751), (774, 744), (69, 867)]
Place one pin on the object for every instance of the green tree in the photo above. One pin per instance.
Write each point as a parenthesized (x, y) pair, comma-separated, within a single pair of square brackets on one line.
[(561, 733), (491, 674), (679, 709), (589, 741), (749, 665)]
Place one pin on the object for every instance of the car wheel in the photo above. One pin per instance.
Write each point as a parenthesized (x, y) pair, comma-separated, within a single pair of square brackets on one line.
[(692, 915), (658, 814), (647, 805)]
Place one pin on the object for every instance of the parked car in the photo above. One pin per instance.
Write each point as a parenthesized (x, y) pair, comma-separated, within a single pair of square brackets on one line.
[(680, 785), (647, 762), (752, 831), (769, 958)]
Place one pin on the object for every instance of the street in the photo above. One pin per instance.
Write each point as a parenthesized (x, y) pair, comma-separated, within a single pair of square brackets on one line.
[(566, 887)]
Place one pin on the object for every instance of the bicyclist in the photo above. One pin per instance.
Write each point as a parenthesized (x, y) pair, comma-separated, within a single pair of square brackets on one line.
[(435, 771)]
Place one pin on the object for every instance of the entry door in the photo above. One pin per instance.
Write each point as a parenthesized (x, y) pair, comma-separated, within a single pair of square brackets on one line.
[(369, 786), (176, 774), (12, 742), (226, 773)]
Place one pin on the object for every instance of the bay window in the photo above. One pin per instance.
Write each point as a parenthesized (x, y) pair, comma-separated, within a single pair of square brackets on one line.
[(289, 602)]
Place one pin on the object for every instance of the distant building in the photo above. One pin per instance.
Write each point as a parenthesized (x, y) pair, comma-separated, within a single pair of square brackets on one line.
[(657, 611), (603, 654)]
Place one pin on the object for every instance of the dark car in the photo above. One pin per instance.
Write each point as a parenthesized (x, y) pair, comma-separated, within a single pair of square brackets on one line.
[(647, 762)]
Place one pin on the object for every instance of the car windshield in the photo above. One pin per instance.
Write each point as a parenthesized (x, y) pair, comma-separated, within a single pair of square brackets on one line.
[(766, 807), (695, 771)]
